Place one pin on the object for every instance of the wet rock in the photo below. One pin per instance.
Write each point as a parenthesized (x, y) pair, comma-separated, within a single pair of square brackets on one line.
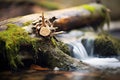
[(106, 45)]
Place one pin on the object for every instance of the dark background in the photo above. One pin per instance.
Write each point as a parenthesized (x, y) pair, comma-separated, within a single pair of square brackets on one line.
[(14, 8)]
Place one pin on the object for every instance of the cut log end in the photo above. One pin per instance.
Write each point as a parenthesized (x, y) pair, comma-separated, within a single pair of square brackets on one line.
[(44, 31)]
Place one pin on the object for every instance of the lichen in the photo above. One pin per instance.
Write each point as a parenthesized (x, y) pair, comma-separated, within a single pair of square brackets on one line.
[(106, 45), (12, 38)]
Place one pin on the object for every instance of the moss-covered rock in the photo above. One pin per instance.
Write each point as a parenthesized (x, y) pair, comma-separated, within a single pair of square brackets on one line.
[(106, 45), (64, 47), (15, 43), (10, 42)]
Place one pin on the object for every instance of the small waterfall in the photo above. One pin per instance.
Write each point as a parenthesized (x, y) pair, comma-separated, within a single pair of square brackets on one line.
[(89, 46), (82, 47), (83, 50), (79, 50)]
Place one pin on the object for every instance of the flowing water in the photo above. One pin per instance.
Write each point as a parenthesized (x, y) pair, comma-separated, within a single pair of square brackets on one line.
[(79, 50), (85, 51)]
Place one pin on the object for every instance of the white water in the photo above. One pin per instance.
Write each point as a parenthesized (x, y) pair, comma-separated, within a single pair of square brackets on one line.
[(103, 62), (86, 53), (79, 50)]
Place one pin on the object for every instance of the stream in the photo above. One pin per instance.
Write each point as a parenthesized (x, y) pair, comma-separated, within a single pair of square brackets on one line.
[(106, 68), (85, 52)]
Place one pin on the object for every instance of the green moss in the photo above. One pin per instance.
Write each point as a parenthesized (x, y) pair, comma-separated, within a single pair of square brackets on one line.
[(54, 42), (89, 8), (12, 38), (64, 47), (98, 9), (27, 23), (93, 8), (106, 45)]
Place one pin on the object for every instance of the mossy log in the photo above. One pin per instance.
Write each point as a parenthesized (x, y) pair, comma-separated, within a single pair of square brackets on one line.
[(94, 15), (19, 50)]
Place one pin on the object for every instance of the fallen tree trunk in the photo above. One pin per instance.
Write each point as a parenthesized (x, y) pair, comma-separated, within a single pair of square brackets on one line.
[(94, 15)]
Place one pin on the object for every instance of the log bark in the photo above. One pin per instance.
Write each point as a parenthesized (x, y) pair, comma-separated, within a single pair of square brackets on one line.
[(93, 15)]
